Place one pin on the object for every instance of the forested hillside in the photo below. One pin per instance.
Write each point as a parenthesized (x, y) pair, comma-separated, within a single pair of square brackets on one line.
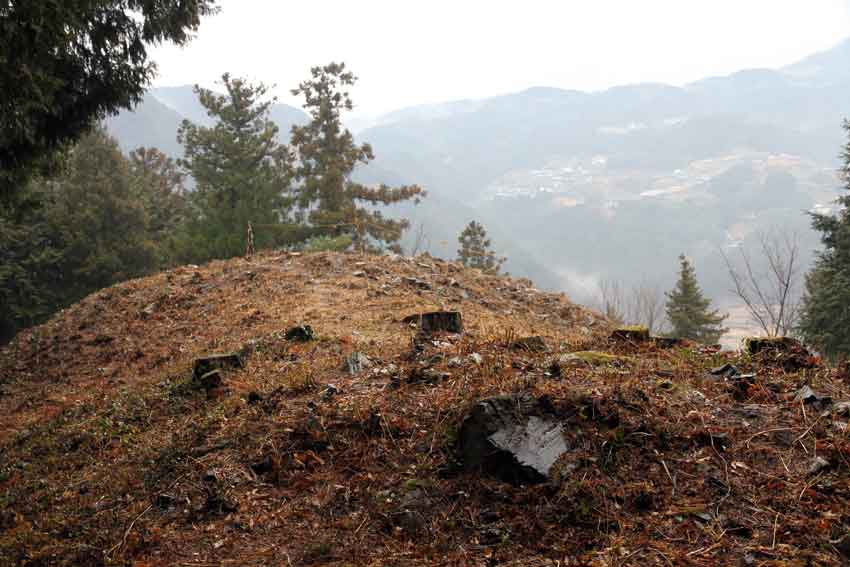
[(641, 171)]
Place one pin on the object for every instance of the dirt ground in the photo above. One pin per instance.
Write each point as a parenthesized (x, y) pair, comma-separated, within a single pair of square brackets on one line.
[(342, 449)]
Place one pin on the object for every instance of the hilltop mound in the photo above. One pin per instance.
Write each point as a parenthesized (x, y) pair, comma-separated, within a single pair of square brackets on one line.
[(338, 431)]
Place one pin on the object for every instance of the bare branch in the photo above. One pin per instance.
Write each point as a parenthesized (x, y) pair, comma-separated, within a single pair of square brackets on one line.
[(772, 294), (421, 240)]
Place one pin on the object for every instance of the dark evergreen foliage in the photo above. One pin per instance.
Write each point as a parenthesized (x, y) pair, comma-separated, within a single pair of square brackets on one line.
[(242, 175), (825, 320), (475, 252), (99, 222), (65, 64), (688, 311), (328, 155)]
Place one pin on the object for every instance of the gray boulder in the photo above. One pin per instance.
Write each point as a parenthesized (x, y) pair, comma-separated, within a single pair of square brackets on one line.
[(511, 438)]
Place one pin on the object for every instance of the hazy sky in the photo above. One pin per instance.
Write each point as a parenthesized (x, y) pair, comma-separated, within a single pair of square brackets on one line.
[(407, 52)]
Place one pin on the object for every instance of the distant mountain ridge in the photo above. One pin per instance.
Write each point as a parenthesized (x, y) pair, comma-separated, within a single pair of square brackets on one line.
[(154, 122), (538, 165), (824, 68)]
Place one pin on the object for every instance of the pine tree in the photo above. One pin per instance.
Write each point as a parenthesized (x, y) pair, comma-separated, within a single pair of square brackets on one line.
[(328, 155), (158, 184), (688, 311), (101, 223), (242, 174), (825, 318), (67, 236), (475, 252), (29, 263)]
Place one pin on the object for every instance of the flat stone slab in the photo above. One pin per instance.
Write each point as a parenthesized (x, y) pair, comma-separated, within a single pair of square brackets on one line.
[(537, 443), (509, 437)]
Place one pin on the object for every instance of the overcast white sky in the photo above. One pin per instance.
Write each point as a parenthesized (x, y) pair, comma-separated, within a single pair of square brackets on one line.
[(407, 52)]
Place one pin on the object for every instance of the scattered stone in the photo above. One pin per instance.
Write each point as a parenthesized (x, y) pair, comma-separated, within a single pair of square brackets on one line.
[(818, 465), (300, 334), (476, 358), (148, 311), (359, 274), (635, 334), (435, 359), (356, 362), (437, 321), (531, 344), (740, 386), (586, 358), (329, 392), (206, 364), (427, 376), (455, 362), (725, 371), (510, 438), (809, 397), (421, 284)]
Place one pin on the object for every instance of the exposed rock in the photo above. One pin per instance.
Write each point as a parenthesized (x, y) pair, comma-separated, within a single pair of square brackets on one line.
[(510, 438), (725, 371), (476, 358), (149, 310), (356, 362), (531, 344), (740, 384), (421, 284), (206, 364), (635, 334), (329, 392), (300, 333), (809, 397), (586, 358), (427, 376), (818, 465), (437, 321)]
